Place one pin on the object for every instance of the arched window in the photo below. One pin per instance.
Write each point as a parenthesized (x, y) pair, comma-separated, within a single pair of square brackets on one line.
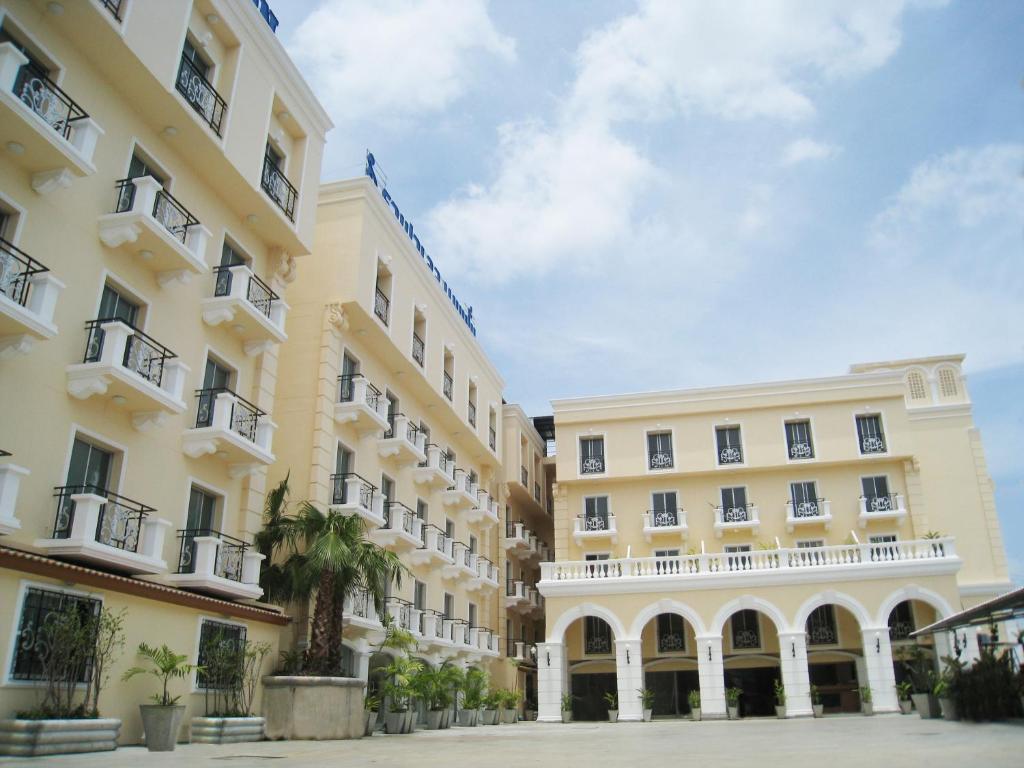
[(948, 385), (915, 383)]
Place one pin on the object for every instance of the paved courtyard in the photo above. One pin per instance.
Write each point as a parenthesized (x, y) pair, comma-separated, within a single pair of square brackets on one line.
[(834, 742)]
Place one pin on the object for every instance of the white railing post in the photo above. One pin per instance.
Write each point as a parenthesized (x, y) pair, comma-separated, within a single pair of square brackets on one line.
[(115, 339), (144, 200), (377, 504), (173, 382), (87, 516), (44, 290), (11, 60), (10, 480), (205, 559), (240, 275), (84, 135), (151, 537), (223, 405), (251, 566), (195, 241)]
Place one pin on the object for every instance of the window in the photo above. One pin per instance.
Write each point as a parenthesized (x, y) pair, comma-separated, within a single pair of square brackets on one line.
[(274, 182), (449, 605), (666, 553), (44, 614), (472, 544), (89, 471), (810, 543), (387, 490), (595, 513), (349, 372), (883, 546), (821, 626), (471, 410), (449, 371), (419, 595), (218, 643), (916, 386), (665, 510), (201, 521), (948, 386), (449, 528), (591, 455), (419, 333), (198, 62), (734, 505), (659, 450), (492, 429), (804, 498), (382, 294), (798, 440), (738, 557), (671, 633), (746, 631), (392, 412), (869, 434), (344, 464), (138, 167), (901, 621), (472, 614), (597, 636), (216, 378), (422, 510), (730, 450), (115, 304), (876, 494)]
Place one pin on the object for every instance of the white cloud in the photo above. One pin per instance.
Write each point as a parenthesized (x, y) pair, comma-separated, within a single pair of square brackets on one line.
[(803, 150), (394, 58)]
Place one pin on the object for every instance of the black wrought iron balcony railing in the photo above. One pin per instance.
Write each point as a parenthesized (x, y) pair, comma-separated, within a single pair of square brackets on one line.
[(739, 513), (872, 444), (361, 604), (120, 519), (671, 642), (808, 507), (665, 518), (471, 414), (438, 623), (16, 271), (440, 536), (244, 417), (230, 553), (174, 216), (340, 483), (660, 460), (143, 354), (510, 528), (346, 390), (405, 516), (44, 97), (114, 6), (592, 465), (595, 522), (730, 454), (390, 431), (883, 502), (492, 438), (400, 612), (417, 349), (381, 305), (278, 187), (200, 94), (447, 385), (257, 292), (801, 449)]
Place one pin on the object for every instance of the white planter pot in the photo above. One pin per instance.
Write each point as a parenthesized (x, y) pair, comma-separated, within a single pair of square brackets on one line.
[(466, 718), (734, 712), (227, 730), (867, 708), (370, 721), (780, 711), (648, 714), (695, 713), (818, 709), (434, 719), (31, 738), (490, 717), (394, 722), (508, 716), (927, 706), (566, 715), (613, 715), (294, 705), (446, 721), (906, 706), (161, 726), (409, 724), (948, 708)]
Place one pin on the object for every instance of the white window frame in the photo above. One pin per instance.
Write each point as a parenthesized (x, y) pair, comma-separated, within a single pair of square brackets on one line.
[(122, 285), (880, 413), (715, 426), (671, 431), (812, 434), (580, 436), (102, 442), (222, 500)]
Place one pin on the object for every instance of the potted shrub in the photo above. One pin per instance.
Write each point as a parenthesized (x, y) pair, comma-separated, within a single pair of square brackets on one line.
[(230, 674), (944, 693), (161, 721), (432, 689), (816, 706), (472, 696), (693, 697), (780, 699), (732, 702), (530, 710), (647, 703), (865, 700), (567, 699), (371, 706), (611, 700), (510, 713), (903, 691), (398, 677), (917, 662), (63, 645), (492, 704), (947, 687)]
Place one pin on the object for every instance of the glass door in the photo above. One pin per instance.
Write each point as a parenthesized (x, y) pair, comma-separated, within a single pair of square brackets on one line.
[(88, 472)]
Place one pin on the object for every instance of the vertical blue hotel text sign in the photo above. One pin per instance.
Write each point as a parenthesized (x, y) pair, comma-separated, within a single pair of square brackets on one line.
[(465, 313)]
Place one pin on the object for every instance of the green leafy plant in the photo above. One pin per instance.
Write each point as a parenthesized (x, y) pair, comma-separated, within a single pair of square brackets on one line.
[(611, 700), (904, 689), (646, 697), (474, 688), (398, 681), (933, 535), (917, 661), (371, 703), (510, 698), (108, 644), (493, 699), (732, 696), (780, 693), (290, 662), (815, 695), (989, 688), (165, 665), (693, 698), (865, 694), (567, 699)]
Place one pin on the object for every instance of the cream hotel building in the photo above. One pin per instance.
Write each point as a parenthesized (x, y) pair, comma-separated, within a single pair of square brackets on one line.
[(207, 319)]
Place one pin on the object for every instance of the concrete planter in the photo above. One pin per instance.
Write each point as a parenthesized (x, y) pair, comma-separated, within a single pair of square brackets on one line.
[(370, 723), (161, 726), (867, 708), (734, 712), (927, 706), (446, 720), (613, 715), (298, 707), (948, 708), (227, 730), (818, 710), (695, 714), (467, 718), (509, 716), (394, 722), (434, 719), (566, 715), (906, 706), (32, 738), (648, 714), (490, 717), (780, 711), (409, 724)]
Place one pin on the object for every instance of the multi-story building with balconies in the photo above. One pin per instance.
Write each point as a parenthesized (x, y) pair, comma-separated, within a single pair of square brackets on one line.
[(735, 536), (390, 410), (159, 163)]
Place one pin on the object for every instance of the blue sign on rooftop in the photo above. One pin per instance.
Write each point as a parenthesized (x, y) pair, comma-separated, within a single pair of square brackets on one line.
[(267, 14)]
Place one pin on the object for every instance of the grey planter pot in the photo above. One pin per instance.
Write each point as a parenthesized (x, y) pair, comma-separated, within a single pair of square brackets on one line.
[(695, 714), (509, 716), (648, 714), (734, 712), (927, 706), (780, 711), (867, 708), (32, 738), (410, 722), (906, 706), (446, 721), (434, 719), (818, 710), (948, 708), (370, 723), (566, 715), (394, 722), (161, 726), (613, 715), (226, 730), (294, 707), (490, 717), (466, 718)]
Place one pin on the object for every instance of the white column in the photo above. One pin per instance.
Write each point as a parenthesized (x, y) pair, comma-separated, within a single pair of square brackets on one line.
[(629, 674), (711, 673), (42, 299), (87, 516), (550, 678), (361, 661), (10, 480), (880, 674), (795, 677)]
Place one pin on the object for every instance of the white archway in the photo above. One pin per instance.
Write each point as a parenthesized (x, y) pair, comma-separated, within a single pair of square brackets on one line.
[(557, 632), (667, 605), (913, 592), (749, 602), (831, 597)]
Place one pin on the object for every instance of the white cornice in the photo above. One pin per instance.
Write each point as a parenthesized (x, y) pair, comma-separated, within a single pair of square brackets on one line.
[(515, 411), (985, 589), (957, 410)]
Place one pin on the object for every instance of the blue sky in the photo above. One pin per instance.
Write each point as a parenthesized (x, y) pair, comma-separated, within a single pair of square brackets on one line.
[(645, 195)]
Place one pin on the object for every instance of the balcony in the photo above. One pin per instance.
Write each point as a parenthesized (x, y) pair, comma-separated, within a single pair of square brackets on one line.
[(447, 385), (462, 563), (435, 547), (45, 131), (809, 512), (99, 527), (437, 471), (660, 460), (361, 404), (523, 651), (668, 522), (360, 613), (278, 188), (729, 455), (382, 306), (516, 539), (401, 529), (10, 481), (28, 298), (216, 564), (200, 95), (461, 640), (231, 428), (757, 568), (739, 518), (246, 305), (595, 527), (488, 641), (417, 349), (486, 573), (461, 494), (403, 442), (353, 495), (492, 439), (148, 222), (436, 630), (135, 370), (536, 602), (404, 615), (515, 594), (485, 510), (471, 414), (889, 507)]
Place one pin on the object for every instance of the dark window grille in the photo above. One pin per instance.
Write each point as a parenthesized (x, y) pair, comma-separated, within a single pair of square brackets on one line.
[(38, 607), (659, 450), (591, 455), (746, 632), (381, 305), (798, 440), (120, 520), (143, 355), (114, 6), (730, 450), (40, 94), (230, 553), (901, 621), (16, 271), (869, 434), (595, 517), (340, 495), (244, 415), (492, 438), (417, 349), (821, 626), (200, 94), (671, 633), (471, 414), (278, 187), (231, 639), (448, 385), (597, 636)]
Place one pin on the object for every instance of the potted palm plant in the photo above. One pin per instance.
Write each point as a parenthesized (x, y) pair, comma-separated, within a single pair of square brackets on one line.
[(432, 689), (231, 671), (903, 691), (472, 696), (732, 702), (371, 706), (917, 661), (398, 689), (647, 703), (161, 720), (816, 705), (454, 679), (780, 699), (492, 703), (567, 699), (611, 700), (865, 700), (510, 713), (944, 693), (693, 698)]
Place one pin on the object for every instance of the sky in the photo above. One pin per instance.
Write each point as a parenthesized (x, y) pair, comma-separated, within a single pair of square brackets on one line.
[(648, 195)]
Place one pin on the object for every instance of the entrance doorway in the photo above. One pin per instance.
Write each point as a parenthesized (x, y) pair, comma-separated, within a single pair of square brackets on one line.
[(588, 695), (671, 690)]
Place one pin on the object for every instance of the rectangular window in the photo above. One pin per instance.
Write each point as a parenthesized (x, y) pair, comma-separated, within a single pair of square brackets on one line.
[(810, 543), (671, 633), (746, 631), (821, 626), (804, 498), (449, 605), (598, 636), (89, 471), (664, 509), (220, 649), (734, 505), (595, 513), (876, 494), (659, 450), (421, 509), (420, 595), (392, 412), (45, 616), (901, 621), (869, 434), (472, 545), (798, 440), (730, 451), (472, 615), (449, 529), (591, 455), (738, 557)]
